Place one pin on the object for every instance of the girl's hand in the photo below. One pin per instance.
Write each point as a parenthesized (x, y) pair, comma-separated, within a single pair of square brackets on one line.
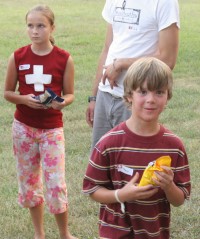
[(165, 178), (132, 192), (31, 102), (57, 105)]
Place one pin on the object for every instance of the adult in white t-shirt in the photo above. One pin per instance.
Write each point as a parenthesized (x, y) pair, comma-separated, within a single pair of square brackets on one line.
[(135, 29)]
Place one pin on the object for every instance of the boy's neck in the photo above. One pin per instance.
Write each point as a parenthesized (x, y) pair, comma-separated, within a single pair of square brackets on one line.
[(143, 128)]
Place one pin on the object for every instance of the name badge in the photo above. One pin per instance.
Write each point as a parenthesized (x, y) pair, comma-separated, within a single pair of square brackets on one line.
[(125, 169), (24, 67)]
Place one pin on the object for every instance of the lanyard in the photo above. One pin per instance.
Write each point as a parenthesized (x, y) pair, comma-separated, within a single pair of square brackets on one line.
[(124, 4)]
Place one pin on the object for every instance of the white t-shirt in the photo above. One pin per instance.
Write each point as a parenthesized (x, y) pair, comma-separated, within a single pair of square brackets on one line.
[(136, 25)]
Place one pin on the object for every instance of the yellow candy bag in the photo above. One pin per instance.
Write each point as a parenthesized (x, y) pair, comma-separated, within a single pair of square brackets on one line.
[(148, 173)]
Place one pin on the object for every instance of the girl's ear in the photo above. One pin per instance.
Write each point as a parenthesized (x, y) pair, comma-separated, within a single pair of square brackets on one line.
[(53, 28), (166, 104)]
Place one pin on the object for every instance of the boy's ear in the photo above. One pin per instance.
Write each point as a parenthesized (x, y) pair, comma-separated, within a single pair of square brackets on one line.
[(129, 98)]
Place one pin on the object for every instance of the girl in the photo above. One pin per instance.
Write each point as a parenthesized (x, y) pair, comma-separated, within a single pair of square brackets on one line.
[(38, 138)]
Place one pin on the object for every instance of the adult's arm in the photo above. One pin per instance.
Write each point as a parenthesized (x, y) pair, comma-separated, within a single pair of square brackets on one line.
[(99, 73), (168, 44)]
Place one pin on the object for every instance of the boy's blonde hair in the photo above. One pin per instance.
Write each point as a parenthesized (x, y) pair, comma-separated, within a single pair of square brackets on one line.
[(46, 12), (155, 72)]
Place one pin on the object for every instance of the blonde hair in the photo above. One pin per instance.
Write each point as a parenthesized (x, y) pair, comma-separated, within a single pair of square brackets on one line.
[(46, 12), (151, 70)]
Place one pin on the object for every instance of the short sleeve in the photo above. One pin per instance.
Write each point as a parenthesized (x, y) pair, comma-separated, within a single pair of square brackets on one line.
[(108, 10), (167, 13), (97, 173)]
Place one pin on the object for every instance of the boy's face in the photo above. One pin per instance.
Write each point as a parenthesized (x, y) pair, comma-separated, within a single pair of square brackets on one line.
[(147, 105)]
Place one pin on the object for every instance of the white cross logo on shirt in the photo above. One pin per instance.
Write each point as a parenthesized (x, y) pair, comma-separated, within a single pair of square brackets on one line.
[(38, 78)]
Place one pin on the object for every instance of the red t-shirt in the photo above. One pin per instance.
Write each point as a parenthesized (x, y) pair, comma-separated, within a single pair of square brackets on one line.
[(51, 66)]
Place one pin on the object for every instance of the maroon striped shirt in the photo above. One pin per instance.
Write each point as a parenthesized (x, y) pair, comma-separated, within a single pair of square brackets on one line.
[(149, 219)]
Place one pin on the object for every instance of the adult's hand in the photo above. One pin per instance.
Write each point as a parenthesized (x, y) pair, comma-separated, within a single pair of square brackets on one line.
[(90, 113), (111, 74)]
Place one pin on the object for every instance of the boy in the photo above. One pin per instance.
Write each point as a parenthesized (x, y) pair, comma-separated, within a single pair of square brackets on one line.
[(120, 157)]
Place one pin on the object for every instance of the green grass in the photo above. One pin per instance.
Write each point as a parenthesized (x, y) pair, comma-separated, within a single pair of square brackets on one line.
[(81, 30)]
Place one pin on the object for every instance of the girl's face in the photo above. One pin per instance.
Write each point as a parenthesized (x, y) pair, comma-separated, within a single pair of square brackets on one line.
[(147, 105), (39, 28)]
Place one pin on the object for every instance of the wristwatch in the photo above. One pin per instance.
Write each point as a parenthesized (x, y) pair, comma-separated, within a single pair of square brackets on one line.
[(92, 98)]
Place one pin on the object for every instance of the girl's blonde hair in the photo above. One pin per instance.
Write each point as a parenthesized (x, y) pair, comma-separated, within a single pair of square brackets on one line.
[(151, 70), (46, 12)]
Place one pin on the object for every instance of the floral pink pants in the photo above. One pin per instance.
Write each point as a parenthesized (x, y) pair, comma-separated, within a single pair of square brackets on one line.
[(38, 150)]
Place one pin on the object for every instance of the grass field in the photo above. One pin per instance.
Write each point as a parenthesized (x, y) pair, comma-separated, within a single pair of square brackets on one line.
[(81, 30)]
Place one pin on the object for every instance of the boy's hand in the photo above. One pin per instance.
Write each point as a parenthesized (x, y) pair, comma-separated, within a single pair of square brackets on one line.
[(132, 192), (165, 178)]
